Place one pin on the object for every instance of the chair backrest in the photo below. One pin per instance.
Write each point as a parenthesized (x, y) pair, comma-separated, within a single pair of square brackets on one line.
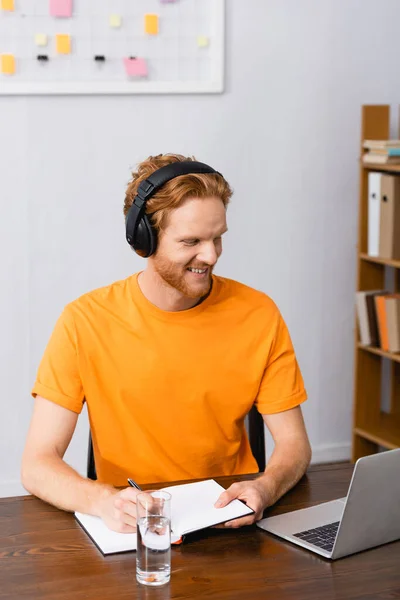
[(91, 467), (256, 438)]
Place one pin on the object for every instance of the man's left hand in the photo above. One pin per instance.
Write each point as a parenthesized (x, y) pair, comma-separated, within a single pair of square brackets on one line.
[(253, 493)]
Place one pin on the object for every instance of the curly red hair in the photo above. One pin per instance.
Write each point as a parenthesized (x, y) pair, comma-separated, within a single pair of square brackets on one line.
[(174, 192)]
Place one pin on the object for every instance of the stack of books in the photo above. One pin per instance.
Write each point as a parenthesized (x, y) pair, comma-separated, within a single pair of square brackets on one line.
[(382, 152), (378, 318)]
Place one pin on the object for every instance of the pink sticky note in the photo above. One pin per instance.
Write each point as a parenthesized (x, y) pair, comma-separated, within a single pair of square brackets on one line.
[(61, 8), (135, 67)]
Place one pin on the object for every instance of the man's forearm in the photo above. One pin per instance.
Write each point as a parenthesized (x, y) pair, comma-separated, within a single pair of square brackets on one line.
[(52, 480), (285, 468)]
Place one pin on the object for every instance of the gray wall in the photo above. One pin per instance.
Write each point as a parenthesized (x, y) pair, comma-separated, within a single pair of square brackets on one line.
[(285, 134)]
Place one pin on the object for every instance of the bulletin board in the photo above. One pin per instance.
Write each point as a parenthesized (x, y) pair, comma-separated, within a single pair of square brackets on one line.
[(111, 46)]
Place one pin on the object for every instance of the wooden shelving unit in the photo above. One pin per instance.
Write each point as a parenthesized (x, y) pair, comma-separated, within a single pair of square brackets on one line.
[(381, 261), (379, 167), (379, 352), (372, 427)]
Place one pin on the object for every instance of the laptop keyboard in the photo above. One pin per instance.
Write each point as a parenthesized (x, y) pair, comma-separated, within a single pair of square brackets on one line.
[(323, 537)]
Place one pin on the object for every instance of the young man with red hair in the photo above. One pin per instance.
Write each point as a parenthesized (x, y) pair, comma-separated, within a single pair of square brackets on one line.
[(169, 362)]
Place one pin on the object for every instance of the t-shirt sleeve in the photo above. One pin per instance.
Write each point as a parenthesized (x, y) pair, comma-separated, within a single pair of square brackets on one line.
[(282, 384), (58, 376)]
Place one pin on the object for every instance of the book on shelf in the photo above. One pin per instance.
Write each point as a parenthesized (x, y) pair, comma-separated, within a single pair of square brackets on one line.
[(372, 318), (381, 152), (393, 321), (367, 317), (382, 322), (381, 159), (388, 313), (386, 151), (380, 144)]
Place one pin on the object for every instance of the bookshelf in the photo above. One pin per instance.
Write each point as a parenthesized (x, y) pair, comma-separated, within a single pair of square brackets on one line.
[(379, 167), (379, 352), (372, 426), (382, 261)]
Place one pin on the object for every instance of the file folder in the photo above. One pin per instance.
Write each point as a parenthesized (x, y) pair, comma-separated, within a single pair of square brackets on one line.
[(374, 206), (389, 231)]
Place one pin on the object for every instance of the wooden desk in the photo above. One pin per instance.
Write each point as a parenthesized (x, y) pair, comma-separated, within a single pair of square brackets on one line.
[(44, 555)]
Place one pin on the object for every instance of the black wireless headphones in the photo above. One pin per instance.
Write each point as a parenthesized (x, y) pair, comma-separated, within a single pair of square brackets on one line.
[(140, 233)]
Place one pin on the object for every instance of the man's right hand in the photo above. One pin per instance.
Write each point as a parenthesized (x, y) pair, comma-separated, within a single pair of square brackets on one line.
[(118, 510), (45, 474)]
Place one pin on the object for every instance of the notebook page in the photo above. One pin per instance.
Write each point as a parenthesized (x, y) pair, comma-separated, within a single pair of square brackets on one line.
[(106, 540), (192, 506)]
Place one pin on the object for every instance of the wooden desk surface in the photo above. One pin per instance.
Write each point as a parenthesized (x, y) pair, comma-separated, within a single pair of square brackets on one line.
[(45, 555)]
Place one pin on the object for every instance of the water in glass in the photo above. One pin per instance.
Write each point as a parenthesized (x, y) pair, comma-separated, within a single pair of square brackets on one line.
[(153, 560)]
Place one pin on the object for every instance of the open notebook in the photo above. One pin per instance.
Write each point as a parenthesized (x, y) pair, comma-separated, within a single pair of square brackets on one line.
[(192, 508)]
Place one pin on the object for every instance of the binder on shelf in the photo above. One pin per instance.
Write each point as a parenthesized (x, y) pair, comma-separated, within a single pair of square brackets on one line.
[(374, 205), (389, 230)]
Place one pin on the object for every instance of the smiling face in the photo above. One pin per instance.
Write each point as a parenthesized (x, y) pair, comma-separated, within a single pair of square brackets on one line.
[(190, 245)]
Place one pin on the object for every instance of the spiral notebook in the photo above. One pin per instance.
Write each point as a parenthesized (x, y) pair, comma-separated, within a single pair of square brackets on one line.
[(192, 509)]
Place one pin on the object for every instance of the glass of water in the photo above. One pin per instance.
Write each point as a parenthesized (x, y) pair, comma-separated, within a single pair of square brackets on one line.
[(153, 558)]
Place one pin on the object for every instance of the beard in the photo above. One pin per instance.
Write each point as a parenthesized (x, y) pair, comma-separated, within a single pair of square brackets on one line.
[(178, 277)]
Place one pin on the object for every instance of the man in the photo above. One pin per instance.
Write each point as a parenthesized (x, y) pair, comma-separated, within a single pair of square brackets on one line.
[(169, 362)]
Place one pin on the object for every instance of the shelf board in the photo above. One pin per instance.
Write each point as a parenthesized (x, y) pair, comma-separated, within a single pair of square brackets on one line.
[(381, 261), (379, 352), (378, 435), (381, 167)]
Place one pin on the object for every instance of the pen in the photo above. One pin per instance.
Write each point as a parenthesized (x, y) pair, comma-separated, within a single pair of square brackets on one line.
[(134, 484)]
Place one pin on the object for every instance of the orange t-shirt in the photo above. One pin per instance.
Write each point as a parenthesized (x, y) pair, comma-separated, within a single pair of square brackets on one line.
[(167, 392)]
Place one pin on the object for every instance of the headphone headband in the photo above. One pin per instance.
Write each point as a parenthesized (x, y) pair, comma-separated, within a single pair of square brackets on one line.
[(152, 184), (139, 232)]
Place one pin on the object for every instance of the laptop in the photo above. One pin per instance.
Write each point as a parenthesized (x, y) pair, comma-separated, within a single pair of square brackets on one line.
[(368, 516)]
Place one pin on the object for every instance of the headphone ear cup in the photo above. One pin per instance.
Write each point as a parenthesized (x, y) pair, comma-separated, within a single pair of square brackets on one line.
[(145, 242)]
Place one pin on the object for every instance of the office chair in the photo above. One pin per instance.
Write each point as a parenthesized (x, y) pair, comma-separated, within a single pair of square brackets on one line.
[(91, 467), (256, 438)]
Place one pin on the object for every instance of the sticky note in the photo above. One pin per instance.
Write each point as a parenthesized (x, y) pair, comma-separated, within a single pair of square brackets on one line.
[(7, 5), (8, 64), (135, 67), (61, 8), (151, 24), (63, 43), (41, 39), (202, 41), (115, 21)]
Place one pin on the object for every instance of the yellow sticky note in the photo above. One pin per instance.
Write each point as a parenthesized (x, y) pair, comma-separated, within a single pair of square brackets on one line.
[(151, 24), (115, 21), (7, 5), (41, 39), (63, 43), (202, 41), (8, 64)]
